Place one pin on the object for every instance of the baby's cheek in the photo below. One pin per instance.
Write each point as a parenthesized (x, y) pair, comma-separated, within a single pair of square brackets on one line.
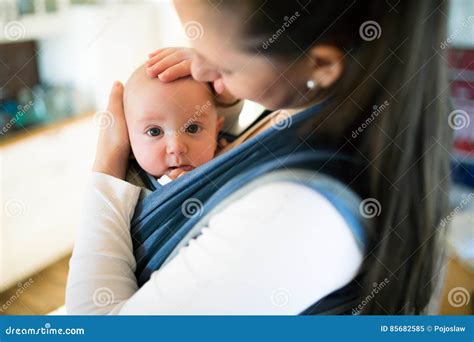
[(203, 152), (151, 160)]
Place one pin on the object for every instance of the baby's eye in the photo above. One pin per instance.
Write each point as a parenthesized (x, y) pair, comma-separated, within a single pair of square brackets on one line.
[(154, 132), (193, 129)]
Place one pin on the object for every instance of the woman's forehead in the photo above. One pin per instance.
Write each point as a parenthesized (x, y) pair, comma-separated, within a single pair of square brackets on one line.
[(207, 28)]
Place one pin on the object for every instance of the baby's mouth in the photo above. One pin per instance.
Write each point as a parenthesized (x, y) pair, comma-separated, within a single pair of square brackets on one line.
[(181, 167)]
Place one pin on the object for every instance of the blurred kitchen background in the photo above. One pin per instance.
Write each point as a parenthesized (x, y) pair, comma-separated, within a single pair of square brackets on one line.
[(58, 59)]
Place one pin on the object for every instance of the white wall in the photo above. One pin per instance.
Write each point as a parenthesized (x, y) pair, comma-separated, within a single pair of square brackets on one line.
[(100, 44), (461, 23)]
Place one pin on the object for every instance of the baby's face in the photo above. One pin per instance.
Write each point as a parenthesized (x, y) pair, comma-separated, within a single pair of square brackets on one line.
[(171, 125)]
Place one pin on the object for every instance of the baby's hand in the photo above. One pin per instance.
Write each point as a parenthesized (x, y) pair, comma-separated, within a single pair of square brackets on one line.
[(176, 173)]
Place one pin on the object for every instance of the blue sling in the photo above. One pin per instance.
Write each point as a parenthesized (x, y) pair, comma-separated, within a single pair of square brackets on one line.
[(171, 215)]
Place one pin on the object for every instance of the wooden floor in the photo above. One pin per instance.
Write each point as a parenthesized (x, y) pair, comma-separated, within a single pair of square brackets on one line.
[(38, 295), (458, 292)]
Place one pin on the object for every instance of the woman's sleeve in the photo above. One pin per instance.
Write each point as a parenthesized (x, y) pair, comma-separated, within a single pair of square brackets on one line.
[(277, 250), (101, 269)]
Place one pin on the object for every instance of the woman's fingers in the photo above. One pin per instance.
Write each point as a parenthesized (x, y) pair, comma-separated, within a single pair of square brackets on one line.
[(179, 70), (166, 66), (166, 62), (221, 145), (116, 100), (223, 142), (167, 59), (159, 56), (156, 52), (116, 130), (113, 147)]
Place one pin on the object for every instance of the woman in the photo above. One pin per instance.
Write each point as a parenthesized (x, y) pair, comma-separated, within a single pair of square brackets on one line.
[(378, 64)]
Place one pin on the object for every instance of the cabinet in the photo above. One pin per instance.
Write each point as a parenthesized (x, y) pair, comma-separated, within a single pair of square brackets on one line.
[(43, 176)]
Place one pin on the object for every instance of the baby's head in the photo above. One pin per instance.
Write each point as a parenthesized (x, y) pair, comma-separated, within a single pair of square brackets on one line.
[(170, 125)]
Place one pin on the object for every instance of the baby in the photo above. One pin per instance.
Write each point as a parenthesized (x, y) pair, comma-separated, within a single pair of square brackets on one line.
[(173, 127)]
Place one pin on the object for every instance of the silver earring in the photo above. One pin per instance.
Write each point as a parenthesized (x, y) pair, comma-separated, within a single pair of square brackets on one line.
[(311, 84)]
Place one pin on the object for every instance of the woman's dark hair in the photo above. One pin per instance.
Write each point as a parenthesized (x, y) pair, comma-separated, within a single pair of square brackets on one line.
[(390, 109)]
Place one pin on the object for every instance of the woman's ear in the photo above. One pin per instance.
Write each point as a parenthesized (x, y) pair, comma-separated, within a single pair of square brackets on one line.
[(328, 64)]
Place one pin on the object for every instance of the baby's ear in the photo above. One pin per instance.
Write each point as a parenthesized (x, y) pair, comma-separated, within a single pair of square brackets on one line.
[(220, 123)]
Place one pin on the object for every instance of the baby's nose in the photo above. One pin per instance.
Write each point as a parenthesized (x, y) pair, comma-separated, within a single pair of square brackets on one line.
[(175, 144)]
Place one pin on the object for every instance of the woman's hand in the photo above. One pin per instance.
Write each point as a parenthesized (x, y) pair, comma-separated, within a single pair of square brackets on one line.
[(113, 147), (169, 64)]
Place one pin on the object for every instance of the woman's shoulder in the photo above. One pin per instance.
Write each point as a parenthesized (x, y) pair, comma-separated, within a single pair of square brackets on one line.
[(285, 215), (281, 238)]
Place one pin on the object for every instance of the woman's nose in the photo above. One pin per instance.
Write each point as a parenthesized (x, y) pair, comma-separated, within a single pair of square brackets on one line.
[(175, 145), (202, 72)]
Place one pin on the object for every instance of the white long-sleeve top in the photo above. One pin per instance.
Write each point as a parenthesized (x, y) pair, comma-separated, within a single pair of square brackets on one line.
[(275, 251)]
